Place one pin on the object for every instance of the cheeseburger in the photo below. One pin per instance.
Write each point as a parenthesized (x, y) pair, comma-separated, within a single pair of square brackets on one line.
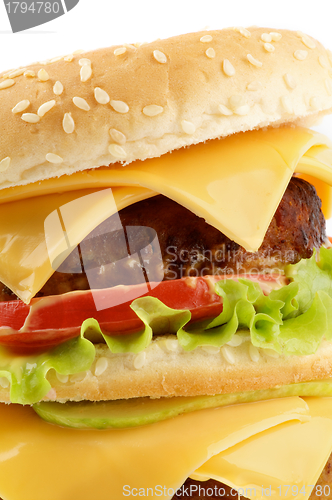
[(166, 277)]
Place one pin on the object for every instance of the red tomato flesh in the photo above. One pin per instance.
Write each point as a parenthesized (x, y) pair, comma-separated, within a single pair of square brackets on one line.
[(49, 321)]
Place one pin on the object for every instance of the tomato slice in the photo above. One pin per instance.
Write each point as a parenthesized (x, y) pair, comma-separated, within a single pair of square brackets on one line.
[(49, 321)]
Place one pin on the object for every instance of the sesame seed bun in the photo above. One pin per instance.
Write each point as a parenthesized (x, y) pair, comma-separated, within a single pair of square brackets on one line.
[(164, 369), (135, 102)]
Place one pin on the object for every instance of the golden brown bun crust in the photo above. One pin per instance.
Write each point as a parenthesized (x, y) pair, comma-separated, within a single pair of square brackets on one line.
[(204, 89), (163, 372)]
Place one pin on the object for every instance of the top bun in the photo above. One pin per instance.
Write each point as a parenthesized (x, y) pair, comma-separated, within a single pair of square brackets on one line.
[(140, 101)]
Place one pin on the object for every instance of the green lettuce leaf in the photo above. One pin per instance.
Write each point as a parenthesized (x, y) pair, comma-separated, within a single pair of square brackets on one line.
[(158, 319), (27, 374), (238, 312), (292, 320)]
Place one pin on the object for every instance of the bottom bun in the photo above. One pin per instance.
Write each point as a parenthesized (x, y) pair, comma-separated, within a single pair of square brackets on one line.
[(165, 369)]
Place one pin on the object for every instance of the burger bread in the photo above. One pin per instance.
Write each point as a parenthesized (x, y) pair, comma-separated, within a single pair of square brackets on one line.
[(110, 107), (161, 96)]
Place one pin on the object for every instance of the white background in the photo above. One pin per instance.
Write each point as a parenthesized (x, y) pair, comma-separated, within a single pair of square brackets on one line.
[(97, 23)]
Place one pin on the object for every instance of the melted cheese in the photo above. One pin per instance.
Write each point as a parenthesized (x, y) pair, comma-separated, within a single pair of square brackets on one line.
[(315, 167), (236, 184), (299, 452), (41, 461), (37, 234)]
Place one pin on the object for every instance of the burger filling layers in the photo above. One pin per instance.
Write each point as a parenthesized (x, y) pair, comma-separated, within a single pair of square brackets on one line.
[(188, 246)]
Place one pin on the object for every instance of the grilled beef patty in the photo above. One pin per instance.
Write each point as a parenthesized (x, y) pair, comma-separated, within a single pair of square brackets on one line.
[(166, 241)]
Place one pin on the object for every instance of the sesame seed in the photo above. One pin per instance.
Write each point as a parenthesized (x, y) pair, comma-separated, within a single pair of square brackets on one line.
[(271, 353), (117, 136), (314, 103), (242, 110), (235, 341), (287, 104), (101, 366), (45, 63), (269, 47), (139, 360), (21, 106), (254, 86), (4, 164), (30, 117), (275, 36), (29, 73), (159, 56), (210, 53), (44, 108), (4, 382), (188, 127), (85, 73), (171, 344), (101, 96), (43, 75), (206, 39), (7, 83), (117, 151), (78, 51), (308, 42), (17, 72), (77, 377), (129, 46), (58, 88), (300, 34), (62, 378), (224, 110), (53, 158), (68, 123), (228, 68), (153, 110), (266, 37), (211, 349), (56, 59), (243, 31), (290, 81), (323, 61), (84, 62), (119, 51), (300, 55), (254, 61), (228, 355), (328, 86), (81, 103), (254, 353), (69, 58), (237, 100), (119, 106)]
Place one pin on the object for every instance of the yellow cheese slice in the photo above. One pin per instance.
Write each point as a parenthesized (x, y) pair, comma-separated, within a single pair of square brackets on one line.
[(315, 167), (37, 234), (40, 461), (236, 184), (299, 453)]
